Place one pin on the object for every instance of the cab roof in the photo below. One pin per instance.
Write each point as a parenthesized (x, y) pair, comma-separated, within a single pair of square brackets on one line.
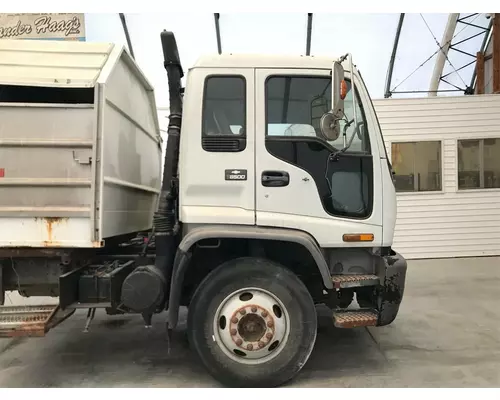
[(263, 61)]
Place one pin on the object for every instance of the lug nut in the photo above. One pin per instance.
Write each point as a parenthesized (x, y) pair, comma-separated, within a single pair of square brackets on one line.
[(234, 320), (269, 335), (261, 344), (243, 311), (264, 314), (249, 347), (270, 324), (233, 332), (254, 309), (239, 342)]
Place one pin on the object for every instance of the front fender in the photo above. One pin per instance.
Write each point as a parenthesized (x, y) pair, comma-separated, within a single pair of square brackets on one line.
[(181, 262)]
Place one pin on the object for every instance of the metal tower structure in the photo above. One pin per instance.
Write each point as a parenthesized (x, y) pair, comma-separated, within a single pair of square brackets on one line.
[(442, 55)]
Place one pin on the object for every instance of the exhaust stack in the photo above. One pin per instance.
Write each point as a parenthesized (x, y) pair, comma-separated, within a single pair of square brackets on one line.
[(146, 289)]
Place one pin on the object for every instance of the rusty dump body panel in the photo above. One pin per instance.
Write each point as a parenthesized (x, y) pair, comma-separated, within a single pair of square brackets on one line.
[(80, 154)]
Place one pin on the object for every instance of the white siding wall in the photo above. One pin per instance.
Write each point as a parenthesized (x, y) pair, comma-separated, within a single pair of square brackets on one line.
[(450, 223)]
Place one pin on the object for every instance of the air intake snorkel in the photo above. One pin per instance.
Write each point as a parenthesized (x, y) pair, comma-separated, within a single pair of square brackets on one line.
[(166, 221)]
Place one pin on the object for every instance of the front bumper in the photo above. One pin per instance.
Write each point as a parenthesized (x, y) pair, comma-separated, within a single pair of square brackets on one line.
[(392, 291)]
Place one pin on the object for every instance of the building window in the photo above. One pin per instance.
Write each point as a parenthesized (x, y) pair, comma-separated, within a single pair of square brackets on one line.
[(417, 166), (478, 164), (224, 114)]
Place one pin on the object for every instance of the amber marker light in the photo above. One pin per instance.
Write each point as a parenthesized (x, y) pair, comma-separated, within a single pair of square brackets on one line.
[(358, 237), (343, 89)]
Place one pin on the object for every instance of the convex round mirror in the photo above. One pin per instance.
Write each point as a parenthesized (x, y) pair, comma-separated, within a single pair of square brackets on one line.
[(329, 127)]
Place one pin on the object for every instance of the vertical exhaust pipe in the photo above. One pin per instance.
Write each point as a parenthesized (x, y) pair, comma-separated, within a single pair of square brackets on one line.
[(146, 288), (166, 222)]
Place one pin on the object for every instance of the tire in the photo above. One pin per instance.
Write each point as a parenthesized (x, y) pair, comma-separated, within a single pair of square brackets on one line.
[(218, 301)]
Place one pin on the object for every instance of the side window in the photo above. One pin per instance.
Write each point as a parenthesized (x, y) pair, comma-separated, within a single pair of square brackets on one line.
[(224, 114), (296, 104), (417, 166)]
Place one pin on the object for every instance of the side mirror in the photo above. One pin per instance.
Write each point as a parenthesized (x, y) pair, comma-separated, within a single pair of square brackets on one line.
[(329, 125)]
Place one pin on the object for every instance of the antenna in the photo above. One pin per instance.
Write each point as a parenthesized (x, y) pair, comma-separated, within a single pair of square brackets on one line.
[(309, 31), (127, 36), (217, 32)]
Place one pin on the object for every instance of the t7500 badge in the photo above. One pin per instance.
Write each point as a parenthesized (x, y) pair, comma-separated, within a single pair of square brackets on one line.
[(236, 174)]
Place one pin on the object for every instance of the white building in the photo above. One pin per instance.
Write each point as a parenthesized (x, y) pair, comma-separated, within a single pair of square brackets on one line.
[(446, 154)]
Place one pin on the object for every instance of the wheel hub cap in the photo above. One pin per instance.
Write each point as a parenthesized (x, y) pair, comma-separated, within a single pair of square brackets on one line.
[(251, 326)]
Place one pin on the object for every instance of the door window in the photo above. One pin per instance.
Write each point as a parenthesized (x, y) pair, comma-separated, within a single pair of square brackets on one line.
[(294, 107)]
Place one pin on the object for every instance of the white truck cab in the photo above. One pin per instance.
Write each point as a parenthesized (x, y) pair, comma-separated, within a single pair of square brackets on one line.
[(254, 129)]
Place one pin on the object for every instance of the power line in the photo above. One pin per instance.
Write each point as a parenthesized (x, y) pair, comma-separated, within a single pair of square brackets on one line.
[(415, 70)]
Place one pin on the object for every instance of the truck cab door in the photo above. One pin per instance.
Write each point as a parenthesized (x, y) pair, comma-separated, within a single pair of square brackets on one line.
[(297, 185), (217, 182)]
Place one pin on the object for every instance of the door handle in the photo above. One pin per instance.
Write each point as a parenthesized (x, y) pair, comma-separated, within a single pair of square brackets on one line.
[(275, 178)]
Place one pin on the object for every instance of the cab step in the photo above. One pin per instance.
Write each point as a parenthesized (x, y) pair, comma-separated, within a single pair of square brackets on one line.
[(354, 318), (352, 281), (34, 321)]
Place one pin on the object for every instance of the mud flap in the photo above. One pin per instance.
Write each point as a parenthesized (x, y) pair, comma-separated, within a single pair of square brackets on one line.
[(392, 291)]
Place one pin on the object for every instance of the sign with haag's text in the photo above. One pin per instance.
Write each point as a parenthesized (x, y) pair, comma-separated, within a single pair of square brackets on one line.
[(42, 26)]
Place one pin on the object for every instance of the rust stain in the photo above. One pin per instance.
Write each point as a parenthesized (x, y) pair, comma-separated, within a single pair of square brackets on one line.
[(50, 223)]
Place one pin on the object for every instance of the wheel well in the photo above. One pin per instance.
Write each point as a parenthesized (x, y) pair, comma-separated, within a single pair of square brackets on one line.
[(208, 254)]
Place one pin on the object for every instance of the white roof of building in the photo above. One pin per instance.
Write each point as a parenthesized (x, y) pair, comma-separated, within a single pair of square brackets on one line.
[(264, 61), (52, 63)]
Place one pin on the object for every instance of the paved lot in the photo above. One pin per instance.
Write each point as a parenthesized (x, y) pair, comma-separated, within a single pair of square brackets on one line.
[(447, 335)]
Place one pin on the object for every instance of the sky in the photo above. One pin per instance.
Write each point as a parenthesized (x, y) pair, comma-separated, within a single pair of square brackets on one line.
[(369, 37)]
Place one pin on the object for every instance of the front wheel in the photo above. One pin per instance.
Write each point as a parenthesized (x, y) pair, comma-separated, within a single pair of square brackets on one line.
[(252, 323)]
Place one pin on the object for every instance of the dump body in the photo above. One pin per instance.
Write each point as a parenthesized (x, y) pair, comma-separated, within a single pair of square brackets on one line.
[(80, 154)]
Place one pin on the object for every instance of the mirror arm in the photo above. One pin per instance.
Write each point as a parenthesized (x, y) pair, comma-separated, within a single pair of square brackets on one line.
[(335, 156), (344, 132)]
